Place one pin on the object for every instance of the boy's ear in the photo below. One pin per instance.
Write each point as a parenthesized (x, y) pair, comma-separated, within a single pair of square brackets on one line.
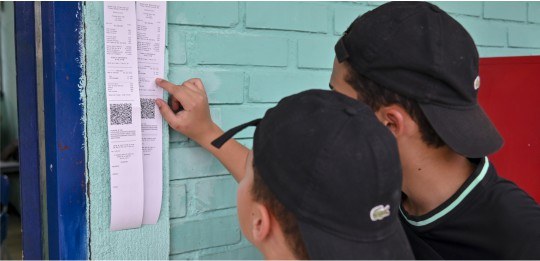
[(394, 117), (260, 223)]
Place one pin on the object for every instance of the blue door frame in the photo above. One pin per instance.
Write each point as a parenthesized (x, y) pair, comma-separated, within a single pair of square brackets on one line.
[(25, 54), (64, 131)]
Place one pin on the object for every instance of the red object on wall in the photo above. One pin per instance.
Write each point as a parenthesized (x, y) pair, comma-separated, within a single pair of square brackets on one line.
[(510, 95)]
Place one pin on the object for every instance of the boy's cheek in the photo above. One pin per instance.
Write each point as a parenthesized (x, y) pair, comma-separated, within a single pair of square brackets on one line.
[(243, 208)]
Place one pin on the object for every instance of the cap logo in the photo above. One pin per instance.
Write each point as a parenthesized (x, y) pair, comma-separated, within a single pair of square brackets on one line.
[(477, 83), (379, 212)]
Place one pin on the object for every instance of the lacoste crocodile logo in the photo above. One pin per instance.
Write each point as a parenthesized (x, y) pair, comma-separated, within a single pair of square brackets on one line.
[(379, 212)]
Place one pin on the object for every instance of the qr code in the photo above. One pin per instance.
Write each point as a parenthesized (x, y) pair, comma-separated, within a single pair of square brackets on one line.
[(148, 108), (121, 114)]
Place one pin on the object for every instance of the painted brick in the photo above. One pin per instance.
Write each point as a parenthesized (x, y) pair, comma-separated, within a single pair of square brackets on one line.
[(177, 46), (524, 36), (175, 136), (273, 86), (215, 193), (193, 162), (534, 12), (241, 50), (185, 256), (500, 52), (376, 3), (345, 15), (244, 253), (316, 53), (248, 143), (514, 11), (464, 7), (221, 86), (232, 116), (485, 33), (306, 17), (178, 200), (189, 235), (218, 14)]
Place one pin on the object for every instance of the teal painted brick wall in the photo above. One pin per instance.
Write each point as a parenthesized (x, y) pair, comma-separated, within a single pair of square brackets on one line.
[(534, 12), (287, 16), (313, 52), (217, 14), (250, 55), (513, 11), (204, 233), (462, 8), (177, 46), (208, 194), (241, 49)]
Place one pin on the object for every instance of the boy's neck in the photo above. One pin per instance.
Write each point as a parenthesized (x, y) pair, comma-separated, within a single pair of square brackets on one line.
[(431, 176)]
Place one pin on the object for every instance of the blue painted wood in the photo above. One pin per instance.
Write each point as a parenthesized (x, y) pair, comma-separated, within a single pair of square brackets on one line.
[(28, 130), (65, 157)]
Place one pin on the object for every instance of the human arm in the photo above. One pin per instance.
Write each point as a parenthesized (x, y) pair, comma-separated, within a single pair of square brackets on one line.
[(195, 122)]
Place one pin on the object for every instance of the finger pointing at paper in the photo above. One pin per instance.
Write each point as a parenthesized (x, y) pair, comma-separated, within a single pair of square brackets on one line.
[(194, 120)]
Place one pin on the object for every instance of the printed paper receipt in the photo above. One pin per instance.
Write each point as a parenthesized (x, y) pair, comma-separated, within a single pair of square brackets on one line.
[(124, 115), (134, 57), (151, 52)]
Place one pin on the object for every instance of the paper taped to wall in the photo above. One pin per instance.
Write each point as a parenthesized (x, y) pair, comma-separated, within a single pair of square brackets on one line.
[(134, 57)]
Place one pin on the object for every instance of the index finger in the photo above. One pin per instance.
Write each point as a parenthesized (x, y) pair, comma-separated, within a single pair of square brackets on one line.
[(168, 86)]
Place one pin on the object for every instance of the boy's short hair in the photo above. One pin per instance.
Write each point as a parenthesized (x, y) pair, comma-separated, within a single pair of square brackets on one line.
[(286, 219), (377, 96)]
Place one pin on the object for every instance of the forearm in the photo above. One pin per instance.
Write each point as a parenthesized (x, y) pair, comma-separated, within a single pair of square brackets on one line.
[(195, 122), (232, 154)]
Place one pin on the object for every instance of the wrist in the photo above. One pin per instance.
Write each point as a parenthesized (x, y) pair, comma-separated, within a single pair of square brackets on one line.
[(209, 134)]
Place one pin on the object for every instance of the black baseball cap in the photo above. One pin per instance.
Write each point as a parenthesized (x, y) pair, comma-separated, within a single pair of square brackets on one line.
[(331, 163), (419, 51)]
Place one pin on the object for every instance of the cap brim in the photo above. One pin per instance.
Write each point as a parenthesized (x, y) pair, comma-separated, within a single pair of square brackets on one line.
[(468, 132), (322, 245)]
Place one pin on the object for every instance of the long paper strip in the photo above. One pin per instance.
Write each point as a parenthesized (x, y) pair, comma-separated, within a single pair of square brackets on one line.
[(151, 22), (123, 115)]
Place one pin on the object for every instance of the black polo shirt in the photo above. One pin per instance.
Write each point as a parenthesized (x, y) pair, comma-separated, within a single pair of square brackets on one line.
[(487, 218)]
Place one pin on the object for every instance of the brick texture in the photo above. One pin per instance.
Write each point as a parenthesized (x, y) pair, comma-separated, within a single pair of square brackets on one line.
[(534, 12), (293, 16), (524, 36), (209, 193), (203, 233), (177, 46), (219, 14), (178, 206), (313, 52), (464, 8), (512, 11), (242, 50)]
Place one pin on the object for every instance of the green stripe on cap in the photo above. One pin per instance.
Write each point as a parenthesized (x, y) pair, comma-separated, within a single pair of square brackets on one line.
[(454, 204)]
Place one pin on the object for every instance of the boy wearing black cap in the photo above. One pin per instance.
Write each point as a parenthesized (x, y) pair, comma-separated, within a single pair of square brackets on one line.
[(316, 154), (418, 70)]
